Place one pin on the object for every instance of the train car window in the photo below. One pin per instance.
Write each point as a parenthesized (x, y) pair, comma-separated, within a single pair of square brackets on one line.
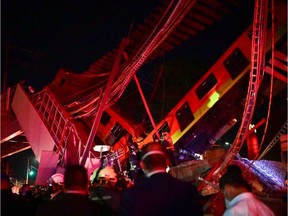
[(236, 63), (184, 116), (115, 134), (206, 86), (105, 118), (163, 128)]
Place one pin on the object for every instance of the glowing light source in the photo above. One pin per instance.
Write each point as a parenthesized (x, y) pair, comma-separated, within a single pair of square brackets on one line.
[(251, 126), (199, 156), (31, 173), (213, 99)]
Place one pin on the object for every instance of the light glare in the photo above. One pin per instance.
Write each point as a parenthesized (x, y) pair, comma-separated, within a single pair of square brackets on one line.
[(213, 99)]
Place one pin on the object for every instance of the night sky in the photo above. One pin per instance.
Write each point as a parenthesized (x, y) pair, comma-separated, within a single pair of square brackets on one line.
[(17, 166), (68, 34)]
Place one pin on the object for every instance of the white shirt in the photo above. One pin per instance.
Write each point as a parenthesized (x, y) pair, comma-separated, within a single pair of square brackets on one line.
[(246, 204)]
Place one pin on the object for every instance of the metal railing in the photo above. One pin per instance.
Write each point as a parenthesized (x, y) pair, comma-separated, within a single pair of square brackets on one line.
[(256, 75), (56, 120)]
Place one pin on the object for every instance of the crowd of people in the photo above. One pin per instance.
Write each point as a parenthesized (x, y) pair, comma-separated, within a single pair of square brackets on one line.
[(157, 193)]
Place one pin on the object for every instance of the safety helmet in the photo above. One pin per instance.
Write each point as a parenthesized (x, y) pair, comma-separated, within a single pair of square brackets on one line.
[(57, 178)]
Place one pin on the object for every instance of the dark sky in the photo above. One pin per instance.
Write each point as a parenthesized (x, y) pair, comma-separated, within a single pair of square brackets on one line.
[(17, 165), (69, 34)]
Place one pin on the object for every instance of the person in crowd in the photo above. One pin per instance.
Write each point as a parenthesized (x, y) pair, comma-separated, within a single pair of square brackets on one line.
[(159, 193), (12, 204), (167, 143), (75, 200), (39, 196), (239, 199), (133, 169), (104, 191), (56, 186), (27, 195)]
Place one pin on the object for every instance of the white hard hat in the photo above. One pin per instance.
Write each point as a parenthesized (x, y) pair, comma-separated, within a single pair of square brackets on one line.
[(58, 178)]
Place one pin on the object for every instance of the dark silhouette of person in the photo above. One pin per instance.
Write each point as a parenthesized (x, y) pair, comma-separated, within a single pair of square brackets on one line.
[(75, 200), (159, 193), (56, 186), (12, 204), (31, 202), (104, 191)]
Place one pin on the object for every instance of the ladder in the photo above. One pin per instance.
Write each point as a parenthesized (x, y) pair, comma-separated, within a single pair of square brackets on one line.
[(58, 123), (256, 75), (283, 130)]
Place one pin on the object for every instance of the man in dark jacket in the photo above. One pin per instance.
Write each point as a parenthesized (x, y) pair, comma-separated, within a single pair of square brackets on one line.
[(159, 193), (75, 200)]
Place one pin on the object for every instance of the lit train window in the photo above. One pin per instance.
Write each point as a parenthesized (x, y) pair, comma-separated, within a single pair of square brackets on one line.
[(236, 63), (184, 116), (115, 134), (206, 86)]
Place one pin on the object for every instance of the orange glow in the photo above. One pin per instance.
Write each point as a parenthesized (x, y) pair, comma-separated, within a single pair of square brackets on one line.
[(252, 146)]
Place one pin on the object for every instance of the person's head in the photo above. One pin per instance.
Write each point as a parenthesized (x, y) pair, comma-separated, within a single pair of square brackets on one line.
[(5, 182), (76, 178), (107, 176), (234, 169), (56, 182), (153, 157), (232, 183), (26, 190)]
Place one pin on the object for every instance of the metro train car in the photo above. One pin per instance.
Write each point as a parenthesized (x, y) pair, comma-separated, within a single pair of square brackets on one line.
[(226, 72)]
